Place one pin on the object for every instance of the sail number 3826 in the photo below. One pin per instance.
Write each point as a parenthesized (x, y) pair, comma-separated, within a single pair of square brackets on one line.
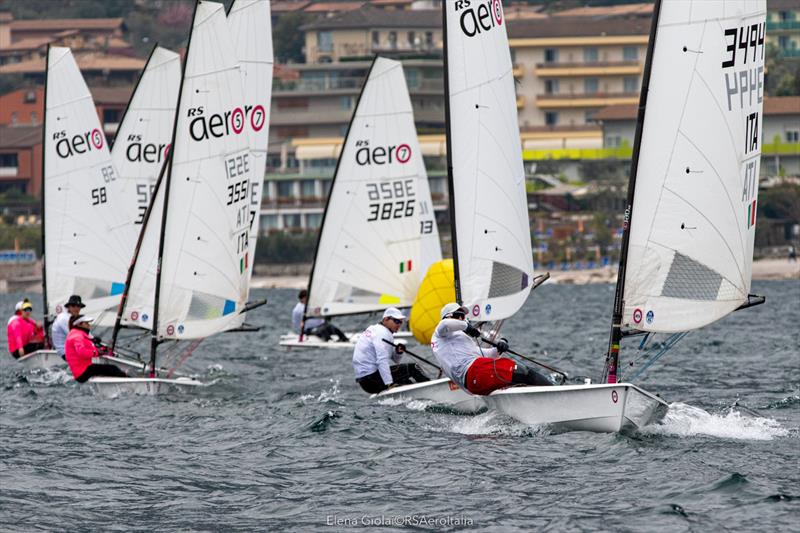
[(391, 199)]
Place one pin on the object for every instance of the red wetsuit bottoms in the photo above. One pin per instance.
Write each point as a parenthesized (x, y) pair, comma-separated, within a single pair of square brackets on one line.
[(486, 375)]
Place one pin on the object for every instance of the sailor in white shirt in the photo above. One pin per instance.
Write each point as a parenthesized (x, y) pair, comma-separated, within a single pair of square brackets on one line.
[(60, 328), (313, 326), (376, 362), (478, 370)]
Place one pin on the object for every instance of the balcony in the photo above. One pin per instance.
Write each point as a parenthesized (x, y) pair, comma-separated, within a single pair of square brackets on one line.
[(520, 102), (783, 25), (347, 86), (6, 172), (562, 101), (336, 52), (518, 71), (606, 68)]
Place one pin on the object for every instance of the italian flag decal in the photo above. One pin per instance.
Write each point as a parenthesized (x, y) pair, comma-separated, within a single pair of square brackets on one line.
[(405, 266), (751, 214), (242, 263)]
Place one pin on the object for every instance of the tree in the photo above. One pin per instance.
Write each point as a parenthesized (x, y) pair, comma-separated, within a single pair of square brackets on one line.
[(289, 41)]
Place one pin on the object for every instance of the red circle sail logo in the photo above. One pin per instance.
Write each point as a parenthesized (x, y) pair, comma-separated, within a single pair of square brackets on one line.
[(97, 138), (476, 310), (497, 11), (637, 315), (403, 153), (258, 117), (170, 330), (237, 120)]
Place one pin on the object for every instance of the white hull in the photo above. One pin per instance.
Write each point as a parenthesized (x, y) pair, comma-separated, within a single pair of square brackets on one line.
[(42, 359), (441, 392), (292, 340), (112, 387), (604, 408)]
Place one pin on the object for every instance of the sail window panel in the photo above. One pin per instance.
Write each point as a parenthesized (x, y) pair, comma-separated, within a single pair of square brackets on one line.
[(691, 280), (205, 306), (506, 280)]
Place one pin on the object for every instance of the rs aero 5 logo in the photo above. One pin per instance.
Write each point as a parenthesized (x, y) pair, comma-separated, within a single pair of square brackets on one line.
[(478, 16), (67, 146), (204, 126), (138, 151), (381, 155)]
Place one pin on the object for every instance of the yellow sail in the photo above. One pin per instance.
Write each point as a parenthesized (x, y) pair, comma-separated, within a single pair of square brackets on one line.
[(437, 288)]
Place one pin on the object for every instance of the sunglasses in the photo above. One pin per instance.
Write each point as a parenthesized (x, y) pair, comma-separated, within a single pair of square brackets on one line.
[(458, 315), (27, 309), (396, 320)]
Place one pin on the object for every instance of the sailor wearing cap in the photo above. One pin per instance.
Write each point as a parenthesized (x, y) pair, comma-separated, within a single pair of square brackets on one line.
[(478, 370), (80, 350), (60, 328), (372, 356), (24, 333), (17, 311)]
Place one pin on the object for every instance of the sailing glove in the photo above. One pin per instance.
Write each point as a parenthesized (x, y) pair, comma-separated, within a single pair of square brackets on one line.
[(502, 346), (472, 331)]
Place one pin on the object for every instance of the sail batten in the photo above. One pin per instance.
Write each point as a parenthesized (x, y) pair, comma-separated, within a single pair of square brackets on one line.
[(379, 234)]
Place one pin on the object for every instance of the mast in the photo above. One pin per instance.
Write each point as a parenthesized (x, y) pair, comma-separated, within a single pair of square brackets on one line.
[(449, 148), (612, 356), (330, 192), (45, 321), (154, 342), (135, 88)]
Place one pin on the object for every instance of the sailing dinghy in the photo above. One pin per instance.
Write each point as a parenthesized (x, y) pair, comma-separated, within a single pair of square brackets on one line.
[(86, 241), (687, 248), (378, 234), (199, 221), (492, 258)]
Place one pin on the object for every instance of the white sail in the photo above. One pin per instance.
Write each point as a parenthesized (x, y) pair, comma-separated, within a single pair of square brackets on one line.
[(493, 244), (87, 246), (693, 219), (143, 138), (204, 266), (251, 29), (379, 235)]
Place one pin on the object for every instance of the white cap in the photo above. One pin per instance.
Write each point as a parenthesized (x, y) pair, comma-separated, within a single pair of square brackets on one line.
[(83, 319), (18, 307), (393, 312), (452, 308)]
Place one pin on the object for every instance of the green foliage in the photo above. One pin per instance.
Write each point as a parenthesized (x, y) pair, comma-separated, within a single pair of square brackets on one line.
[(29, 237), (282, 248), (781, 202), (782, 74), (288, 39)]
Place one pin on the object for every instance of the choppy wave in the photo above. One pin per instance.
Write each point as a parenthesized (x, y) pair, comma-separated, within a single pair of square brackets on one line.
[(683, 420)]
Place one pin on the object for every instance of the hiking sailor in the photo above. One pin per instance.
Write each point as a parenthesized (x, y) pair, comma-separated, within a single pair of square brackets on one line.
[(313, 326), (478, 370), (372, 355), (60, 328), (80, 351)]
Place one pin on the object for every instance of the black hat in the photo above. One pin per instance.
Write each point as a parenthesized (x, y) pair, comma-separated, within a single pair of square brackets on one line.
[(74, 300)]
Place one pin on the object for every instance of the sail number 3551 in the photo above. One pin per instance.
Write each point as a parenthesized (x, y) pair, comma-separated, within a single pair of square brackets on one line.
[(391, 199)]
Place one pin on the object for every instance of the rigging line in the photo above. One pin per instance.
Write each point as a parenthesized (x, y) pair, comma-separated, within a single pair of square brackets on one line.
[(87, 96), (672, 150), (481, 84), (667, 345), (718, 232)]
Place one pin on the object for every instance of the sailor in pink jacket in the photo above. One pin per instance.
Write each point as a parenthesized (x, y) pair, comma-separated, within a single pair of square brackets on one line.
[(22, 332), (79, 349)]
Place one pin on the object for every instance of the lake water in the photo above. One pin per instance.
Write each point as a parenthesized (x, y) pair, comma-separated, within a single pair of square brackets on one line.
[(285, 440)]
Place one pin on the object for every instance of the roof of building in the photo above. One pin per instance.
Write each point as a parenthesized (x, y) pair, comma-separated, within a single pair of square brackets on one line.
[(111, 95), (644, 10), (85, 62), (66, 24), (577, 27), (332, 7), (371, 17), (773, 105), (5, 16), (22, 136), (287, 6), (782, 5), (31, 43)]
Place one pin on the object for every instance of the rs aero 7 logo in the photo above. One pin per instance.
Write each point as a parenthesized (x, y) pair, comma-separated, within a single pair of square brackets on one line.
[(203, 126), (67, 146), (381, 155), (478, 16)]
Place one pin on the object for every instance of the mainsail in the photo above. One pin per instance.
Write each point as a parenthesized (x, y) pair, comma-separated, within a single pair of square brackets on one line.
[(378, 235), (251, 29), (693, 218), (489, 210), (204, 252), (87, 246)]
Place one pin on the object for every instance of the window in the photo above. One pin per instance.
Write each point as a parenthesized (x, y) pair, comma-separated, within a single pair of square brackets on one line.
[(307, 188), (412, 37), (590, 85), (326, 188), (429, 39), (793, 136), (412, 78), (550, 55), (266, 190), (346, 102), (13, 117), (324, 41), (393, 40), (285, 189), (551, 118), (110, 116), (630, 53), (313, 220), (783, 42), (9, 160), (30, 97), (269, 223), (590, 55), (613, 141), (631, 84), (551, 86), (291, 221), (589, 115), (376, 38), (34, 117)]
